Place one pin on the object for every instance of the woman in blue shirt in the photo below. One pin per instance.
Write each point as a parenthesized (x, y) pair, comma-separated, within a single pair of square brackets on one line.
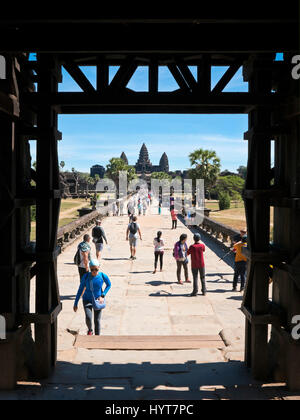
[(86, 293)]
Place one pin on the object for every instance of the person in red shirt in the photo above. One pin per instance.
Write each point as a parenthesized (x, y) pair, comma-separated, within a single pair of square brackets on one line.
[(174, 218), (196, 251)]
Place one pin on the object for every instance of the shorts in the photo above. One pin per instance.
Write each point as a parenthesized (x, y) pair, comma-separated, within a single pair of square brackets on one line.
[(99, 247), (133, 241)]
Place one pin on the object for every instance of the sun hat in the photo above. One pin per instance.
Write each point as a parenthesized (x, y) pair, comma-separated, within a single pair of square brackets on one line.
[(94, 263)]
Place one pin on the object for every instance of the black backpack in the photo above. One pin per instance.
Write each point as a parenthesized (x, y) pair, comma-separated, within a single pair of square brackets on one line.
[(133, 228), (77, 257), (97, 232)]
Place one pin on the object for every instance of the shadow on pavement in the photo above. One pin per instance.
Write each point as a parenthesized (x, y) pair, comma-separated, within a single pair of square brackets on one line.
[(149, 381)]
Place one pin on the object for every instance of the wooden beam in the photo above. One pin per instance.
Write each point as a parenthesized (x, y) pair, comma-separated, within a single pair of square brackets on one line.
[(79, 77), (102, 75), (204, 74), (171, 99), (225, 79), (153, 77), (178, 77), (124, 74), (188, 76)]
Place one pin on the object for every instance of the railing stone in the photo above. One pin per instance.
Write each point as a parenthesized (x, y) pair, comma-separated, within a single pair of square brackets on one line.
[(222, 234), (73, 230)]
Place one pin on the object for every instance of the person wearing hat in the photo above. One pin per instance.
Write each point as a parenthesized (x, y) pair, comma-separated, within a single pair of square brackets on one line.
[(86, 293), (196, 252), (240, 264)]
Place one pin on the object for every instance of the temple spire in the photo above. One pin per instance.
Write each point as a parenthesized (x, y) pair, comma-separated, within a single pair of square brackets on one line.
[(124, 157)]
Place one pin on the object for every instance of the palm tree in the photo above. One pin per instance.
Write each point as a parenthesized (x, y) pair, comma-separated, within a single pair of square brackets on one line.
[(206, 165)]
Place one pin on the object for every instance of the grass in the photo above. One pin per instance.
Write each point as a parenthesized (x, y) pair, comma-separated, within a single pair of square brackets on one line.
[(66, 206), (66, 221), (234, 217), (70, 203)]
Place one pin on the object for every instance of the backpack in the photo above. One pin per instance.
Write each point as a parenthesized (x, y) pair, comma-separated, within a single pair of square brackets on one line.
[(77, 257), (133, 228), (97, 233)]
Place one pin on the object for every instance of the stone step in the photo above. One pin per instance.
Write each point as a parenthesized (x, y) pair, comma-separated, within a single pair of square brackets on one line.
[(149, 342)]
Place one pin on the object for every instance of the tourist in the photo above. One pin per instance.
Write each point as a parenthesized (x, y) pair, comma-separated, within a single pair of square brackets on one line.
[(84, 252), (158, 251), (145, 206), (180, 254), (240, 264), (91, 288), (196, 252), (159, 208), (121, 208), (114, 209), (132, 233), (131, 210), (139, 207), (174, 219), (238, 237), (172, 201), (98, 235)]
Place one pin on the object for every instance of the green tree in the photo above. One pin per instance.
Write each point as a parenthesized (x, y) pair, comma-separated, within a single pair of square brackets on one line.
[(97, 178), (224, 201), (242, 171), (205, 165), (115, 166), (62, 164), (232, 184), (161, 175)]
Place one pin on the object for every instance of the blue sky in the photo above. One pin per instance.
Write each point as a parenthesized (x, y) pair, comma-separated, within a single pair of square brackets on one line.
[(94, 139)]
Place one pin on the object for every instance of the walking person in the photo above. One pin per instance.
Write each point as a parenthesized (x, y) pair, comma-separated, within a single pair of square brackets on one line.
[(83, 255), (91, 289), (121, 208), (132, 233), (174, 219), (131, 210), (139, 206), (98, 235), (180, 254), (145, 206), (114, 209), (196, 252), (240, 264), (158, 251), (159, 208)]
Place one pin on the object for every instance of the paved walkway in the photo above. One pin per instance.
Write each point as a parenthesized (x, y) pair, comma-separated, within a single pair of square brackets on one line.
[(141, 303)]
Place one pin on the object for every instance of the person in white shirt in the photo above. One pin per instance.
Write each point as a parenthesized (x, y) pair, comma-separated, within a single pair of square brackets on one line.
[(159, 249)]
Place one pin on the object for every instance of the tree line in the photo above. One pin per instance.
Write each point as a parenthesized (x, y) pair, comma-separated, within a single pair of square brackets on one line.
[(204, 164)]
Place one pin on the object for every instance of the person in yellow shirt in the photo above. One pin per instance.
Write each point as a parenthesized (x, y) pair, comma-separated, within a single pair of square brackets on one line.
[(240, 264)]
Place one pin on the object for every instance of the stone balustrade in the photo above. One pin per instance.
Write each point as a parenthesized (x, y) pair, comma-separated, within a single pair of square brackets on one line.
[(221, 233), (70, 232)]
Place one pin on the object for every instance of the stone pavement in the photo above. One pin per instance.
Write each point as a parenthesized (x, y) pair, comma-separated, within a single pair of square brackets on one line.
[(141, 303)]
